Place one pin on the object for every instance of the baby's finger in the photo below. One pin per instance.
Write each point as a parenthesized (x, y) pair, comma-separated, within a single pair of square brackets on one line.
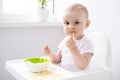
[(46, 46), (73, 35), (71, 40), (46, 49)]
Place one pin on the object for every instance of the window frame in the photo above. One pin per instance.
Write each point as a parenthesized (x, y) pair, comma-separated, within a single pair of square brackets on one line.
[(29, 24), (1, 7)]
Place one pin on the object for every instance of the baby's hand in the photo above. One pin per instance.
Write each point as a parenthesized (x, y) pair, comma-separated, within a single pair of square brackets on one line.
[(71, 42), (46, 49)]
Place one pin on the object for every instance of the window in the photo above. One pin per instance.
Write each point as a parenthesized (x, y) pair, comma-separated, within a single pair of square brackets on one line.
[(19, 6), (28, 9), (0, 7)]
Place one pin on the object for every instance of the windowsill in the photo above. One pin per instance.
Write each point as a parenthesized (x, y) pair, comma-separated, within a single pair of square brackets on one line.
[(29, 24), (26, 21)]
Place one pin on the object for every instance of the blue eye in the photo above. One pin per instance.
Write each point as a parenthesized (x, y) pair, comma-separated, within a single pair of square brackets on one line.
[(66, 23)]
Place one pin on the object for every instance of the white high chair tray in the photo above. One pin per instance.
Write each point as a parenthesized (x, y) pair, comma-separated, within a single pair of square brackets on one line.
[(19, 71)]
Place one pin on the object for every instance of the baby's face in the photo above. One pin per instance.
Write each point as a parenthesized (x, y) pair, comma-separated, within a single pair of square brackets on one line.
[(75, 23)]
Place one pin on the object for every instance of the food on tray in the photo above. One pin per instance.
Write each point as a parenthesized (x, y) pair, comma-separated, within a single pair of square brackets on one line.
[(37, 60), (37, 64)]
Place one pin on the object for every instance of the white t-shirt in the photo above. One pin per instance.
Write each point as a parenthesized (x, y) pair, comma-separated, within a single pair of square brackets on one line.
[(84, 44)]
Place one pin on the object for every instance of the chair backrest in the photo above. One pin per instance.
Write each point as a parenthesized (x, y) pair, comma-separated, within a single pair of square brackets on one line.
[(102, 51)]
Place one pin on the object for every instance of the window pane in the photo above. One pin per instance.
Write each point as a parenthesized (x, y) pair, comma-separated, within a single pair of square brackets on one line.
[(20, 6)]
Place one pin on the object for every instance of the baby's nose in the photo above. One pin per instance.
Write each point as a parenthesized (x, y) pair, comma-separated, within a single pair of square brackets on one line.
[(71, 26)]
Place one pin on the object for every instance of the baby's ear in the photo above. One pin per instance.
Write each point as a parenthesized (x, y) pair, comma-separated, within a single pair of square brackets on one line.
[(87, 23)]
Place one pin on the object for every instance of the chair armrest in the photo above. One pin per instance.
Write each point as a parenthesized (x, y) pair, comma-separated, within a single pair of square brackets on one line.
[(105, 74)]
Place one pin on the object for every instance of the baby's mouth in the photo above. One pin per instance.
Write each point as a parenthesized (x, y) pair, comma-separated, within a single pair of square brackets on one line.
[(71, 32)]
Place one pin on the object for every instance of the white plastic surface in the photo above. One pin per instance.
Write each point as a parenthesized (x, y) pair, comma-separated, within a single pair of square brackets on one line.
[(102, 51), (100, 68), (19, 71)]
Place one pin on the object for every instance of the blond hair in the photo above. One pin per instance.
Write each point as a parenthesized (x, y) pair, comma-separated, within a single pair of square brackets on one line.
[(78, 7)]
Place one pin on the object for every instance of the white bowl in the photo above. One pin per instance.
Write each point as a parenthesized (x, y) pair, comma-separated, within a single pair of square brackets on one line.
[(37, 65)]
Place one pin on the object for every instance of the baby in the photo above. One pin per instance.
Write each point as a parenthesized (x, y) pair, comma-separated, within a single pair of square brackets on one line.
[(75, 50)]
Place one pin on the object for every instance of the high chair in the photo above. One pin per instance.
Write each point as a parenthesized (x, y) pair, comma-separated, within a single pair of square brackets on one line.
[(98, 69)]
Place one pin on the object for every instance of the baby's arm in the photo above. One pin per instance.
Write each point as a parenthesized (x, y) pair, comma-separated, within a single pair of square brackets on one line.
[(81, 60), (55, 58)]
